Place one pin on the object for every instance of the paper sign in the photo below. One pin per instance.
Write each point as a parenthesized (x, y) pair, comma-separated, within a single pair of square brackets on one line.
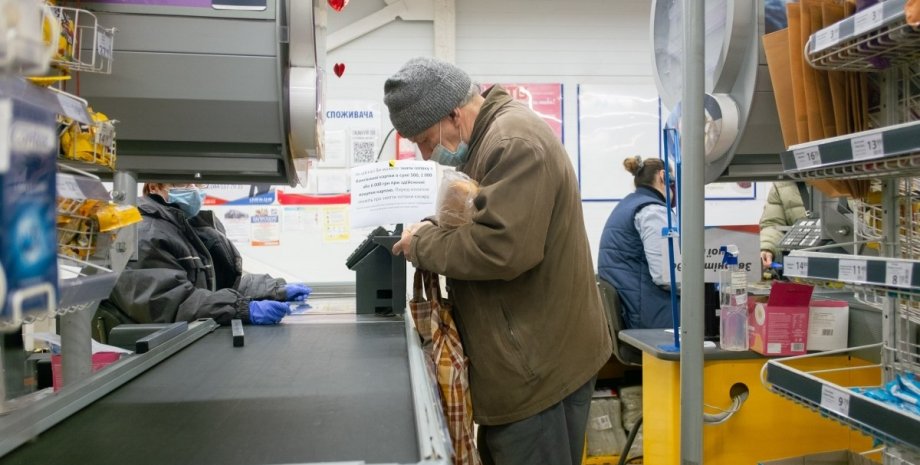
[(807, 157), (73, 108), (401, 191), (67, 187), (336, 152), (715, 237), (266, 227), (104, 44), (335, 224), (835, 400), (870, 146), (236, 224)]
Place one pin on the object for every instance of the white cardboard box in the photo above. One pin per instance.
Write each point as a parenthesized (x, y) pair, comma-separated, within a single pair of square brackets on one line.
[(828, 324)]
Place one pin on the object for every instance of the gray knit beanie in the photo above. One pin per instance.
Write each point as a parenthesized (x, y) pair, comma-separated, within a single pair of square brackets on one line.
[(423, 92)]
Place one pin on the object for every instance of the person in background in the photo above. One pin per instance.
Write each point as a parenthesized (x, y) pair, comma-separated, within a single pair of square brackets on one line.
[(632, 250), (785, 206), (519, 273), (187, 269)]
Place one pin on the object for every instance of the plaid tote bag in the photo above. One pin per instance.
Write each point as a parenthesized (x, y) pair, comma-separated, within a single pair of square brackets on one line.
[(441, 342)]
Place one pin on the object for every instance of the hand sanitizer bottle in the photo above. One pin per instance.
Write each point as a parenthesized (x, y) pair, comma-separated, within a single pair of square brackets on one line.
[(733, 318)]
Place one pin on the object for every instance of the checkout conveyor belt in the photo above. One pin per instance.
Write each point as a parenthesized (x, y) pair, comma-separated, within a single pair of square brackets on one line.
[(295, 393)]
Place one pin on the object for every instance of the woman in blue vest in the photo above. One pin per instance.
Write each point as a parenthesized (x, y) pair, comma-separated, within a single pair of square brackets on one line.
[(631, 250)]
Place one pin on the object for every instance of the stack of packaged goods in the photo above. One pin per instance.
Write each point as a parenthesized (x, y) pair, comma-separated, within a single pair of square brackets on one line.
[(631, 397), (605, 433)]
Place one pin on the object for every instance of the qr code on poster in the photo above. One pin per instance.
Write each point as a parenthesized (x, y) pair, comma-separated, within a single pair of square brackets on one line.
[(363, 151)]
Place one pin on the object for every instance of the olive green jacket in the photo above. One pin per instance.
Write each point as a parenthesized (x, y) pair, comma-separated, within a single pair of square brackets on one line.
[(520, 274), (783, 208)]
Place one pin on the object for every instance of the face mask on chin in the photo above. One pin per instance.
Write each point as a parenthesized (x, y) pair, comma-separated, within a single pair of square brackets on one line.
[(445, 157), (189, 200)]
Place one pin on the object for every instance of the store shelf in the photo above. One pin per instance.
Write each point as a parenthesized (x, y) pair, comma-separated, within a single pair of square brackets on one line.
[(84, 44), (81, 187), (77, 288), (86, 166), (874, 39), (893, 151), (890, 273), (872, 417), (58, 102)]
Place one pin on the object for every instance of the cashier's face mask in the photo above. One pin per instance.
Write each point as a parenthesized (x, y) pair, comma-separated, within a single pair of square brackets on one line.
[(445, 157), (188, 199)]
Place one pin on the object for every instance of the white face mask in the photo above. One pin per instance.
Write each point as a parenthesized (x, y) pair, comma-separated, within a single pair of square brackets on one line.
[(445, 157)]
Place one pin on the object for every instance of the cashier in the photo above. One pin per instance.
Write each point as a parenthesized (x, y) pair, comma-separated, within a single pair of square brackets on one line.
[(187, 269), (631, 248), (786, 204)]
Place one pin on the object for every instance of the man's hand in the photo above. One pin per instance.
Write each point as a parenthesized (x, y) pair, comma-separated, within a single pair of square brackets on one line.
[(766, 258), (405, 242)]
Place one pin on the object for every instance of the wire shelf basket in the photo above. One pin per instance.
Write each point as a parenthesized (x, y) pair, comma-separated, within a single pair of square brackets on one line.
[(78, 230), (906, 165), (899, 456), (904, 350), (870, 216), (877, 50), (92, 144), (83, 44)]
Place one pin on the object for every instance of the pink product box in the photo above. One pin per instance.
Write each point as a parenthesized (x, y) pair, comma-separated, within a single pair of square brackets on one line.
[(779, 326), (100, 361)]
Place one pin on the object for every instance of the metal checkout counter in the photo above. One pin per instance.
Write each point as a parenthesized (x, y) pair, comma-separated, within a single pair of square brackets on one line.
[(322, 387), (337, 384)]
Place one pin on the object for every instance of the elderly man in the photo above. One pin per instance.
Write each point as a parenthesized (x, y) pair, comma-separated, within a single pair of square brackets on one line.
[(520, 274)]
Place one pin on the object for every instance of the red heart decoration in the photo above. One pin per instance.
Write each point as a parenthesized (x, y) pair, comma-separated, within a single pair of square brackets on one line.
[(337, 5), (339, 68)]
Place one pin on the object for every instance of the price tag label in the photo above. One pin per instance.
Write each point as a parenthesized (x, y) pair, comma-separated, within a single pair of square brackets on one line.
[(899, 274), (870, 146), (868, 19), (795, 266), (807, 157), (827, 37), (67, 187), (73, 108), (852, 271), (104, 44), (835, 400)]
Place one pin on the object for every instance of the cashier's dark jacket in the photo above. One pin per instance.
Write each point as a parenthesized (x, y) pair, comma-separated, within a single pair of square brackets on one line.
[(186, 269), (520, 275)]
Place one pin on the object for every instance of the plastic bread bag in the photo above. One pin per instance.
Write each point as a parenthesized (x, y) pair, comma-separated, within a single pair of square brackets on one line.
[(455, 199)]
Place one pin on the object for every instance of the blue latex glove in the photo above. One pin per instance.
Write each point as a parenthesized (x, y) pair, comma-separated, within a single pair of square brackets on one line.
[(267, 312), (297, 292)]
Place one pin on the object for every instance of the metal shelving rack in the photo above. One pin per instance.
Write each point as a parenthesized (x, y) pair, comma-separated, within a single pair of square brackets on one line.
[(874, 40), (84, 281)]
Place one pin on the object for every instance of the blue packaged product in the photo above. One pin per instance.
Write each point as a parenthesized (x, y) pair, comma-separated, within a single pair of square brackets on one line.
[(910, 383), (28, 237)]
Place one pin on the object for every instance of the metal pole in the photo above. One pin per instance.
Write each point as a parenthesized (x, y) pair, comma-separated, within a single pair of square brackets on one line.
[(125, 246), (76, 349), (692, 219)]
